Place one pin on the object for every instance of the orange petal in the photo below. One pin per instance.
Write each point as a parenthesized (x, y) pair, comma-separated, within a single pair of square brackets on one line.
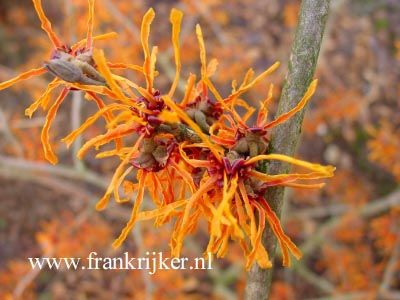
[(46, 99), (109, 117), (186, 176), (249, 209), (247, 78), (111, 134), (118, 184), (166, 210), (100, 104), (135, 211), (26, 75), (184, 117), (284, 178), (200, 39), (175, 19), (263, 111), (275, 224), (98, 56), (43, 99), (228, 193), (48, 152), (125, 66), (153, 58), (284, 117), (258, 252), (46, 25), (110, 35), (248, 86), (212, 67), (189, 89), (144, 37), (247, 108), (241, 215), (89, 35), (74, 134), (304, 186), (169, 116), (325, 171), (196, 163), (122, 152), (204, 188), (117, 174)]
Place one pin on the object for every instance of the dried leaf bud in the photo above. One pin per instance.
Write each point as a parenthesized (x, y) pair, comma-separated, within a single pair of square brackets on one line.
[(64, 70)]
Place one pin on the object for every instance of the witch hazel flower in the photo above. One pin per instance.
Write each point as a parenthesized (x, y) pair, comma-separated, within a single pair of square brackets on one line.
[(196, 156), (231, 192)]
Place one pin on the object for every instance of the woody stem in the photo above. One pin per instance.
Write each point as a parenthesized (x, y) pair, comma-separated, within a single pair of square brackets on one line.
[(284, 138)]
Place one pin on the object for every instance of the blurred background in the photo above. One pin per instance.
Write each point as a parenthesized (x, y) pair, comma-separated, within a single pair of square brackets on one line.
[(349, 231)]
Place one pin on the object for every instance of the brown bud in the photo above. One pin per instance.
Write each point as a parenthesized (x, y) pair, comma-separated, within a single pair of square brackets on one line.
[(149, 145), (241, 146), (232, 156), (63, 69), (146, 161), (75, 69), (160, 154), (201, 120)]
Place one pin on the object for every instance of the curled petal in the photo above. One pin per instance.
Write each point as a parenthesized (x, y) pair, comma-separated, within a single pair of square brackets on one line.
[(202, 47), (258, 252), (189, 90), (228, 193), (263, 112), (118, 184), (98, 56), (196, 163), (122, 152), (46, 25), (186, 176), (284, 117), (248, 86), (115, 180), (48, 152), (284, 241), (26, 75), (135, 211), (112, 134), (43, 100), (163, 211), (73, 135), (183, 226), (247, 78)]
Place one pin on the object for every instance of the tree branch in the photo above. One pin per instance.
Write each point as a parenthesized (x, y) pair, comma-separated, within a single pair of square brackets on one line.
[(284, 138)]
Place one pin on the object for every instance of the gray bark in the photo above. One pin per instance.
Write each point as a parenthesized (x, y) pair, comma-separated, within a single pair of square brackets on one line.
[(284, 137)]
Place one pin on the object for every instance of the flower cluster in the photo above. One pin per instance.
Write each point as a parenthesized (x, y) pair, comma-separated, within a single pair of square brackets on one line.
[(196, 156)]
